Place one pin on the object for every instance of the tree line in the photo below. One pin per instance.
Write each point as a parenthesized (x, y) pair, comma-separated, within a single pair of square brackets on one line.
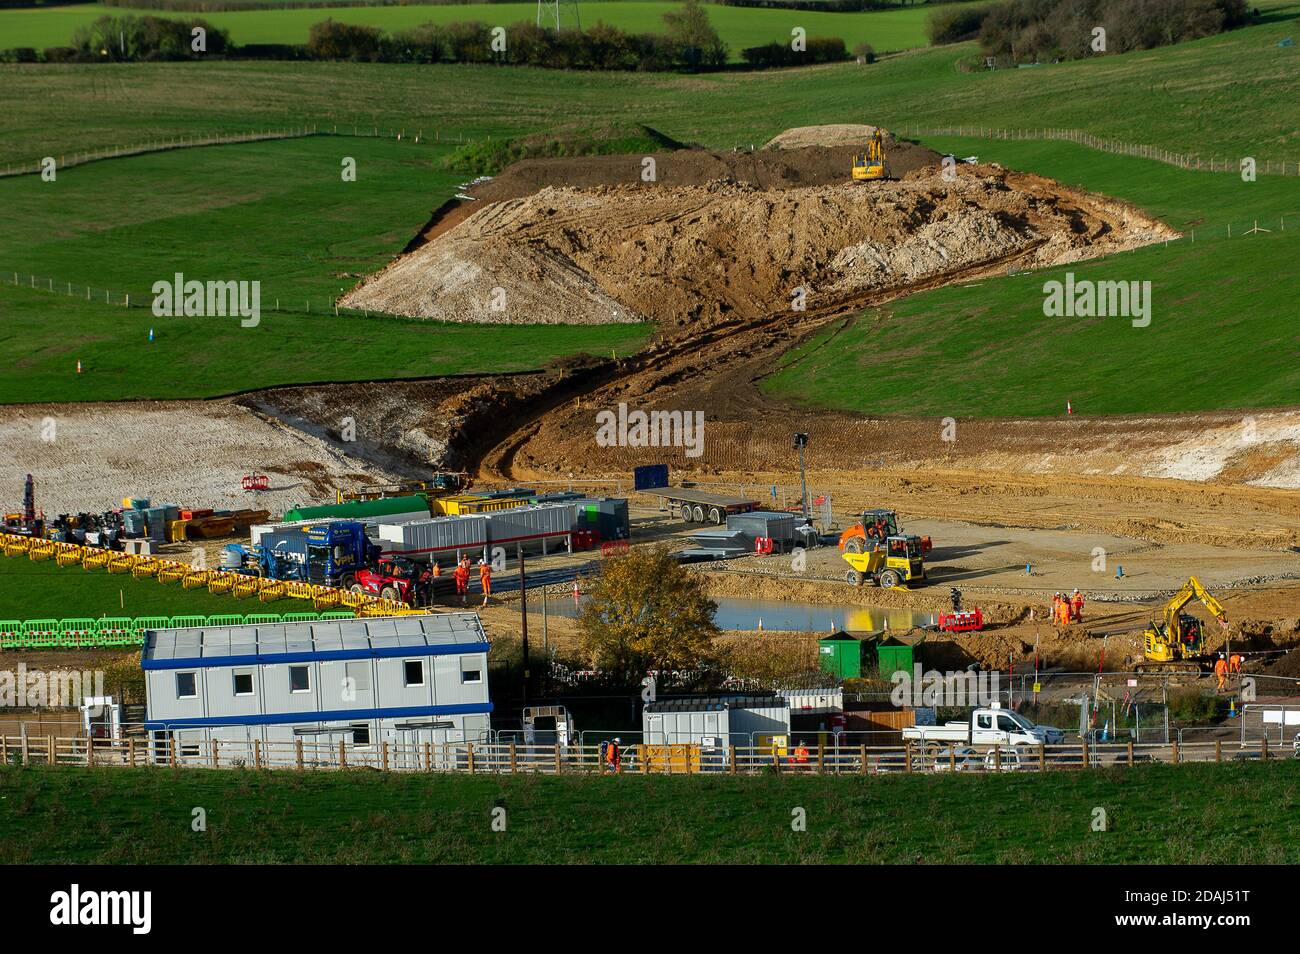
[(1038, 31)]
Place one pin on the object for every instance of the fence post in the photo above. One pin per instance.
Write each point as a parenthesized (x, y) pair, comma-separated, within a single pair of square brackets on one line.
[(25, 751), (383, 754), (731, 759), (642, 758), (1086, 761), (1218, 750), (1130, 753), (862, 758), (171, 750), (908, 753), (513, 762), (1042, 757), (821, 765), (469, 757), (343, 754), (1263, 748), (257, 753), (558, 766), (297, 753), (952, 758), (997, 758), (1175, 751), (90, 751), (49, 754), (216, 752)]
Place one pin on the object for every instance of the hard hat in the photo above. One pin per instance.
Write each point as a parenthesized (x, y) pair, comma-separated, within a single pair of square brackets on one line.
[(1076, 589), (617, 739)]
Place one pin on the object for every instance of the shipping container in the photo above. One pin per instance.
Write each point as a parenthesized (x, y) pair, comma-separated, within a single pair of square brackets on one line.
[(526, 525), (472, 503), (777, 526), (429, 539), (651, 475)]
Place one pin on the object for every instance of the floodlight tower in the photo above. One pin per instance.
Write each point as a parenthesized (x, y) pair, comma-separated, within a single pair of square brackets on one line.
[(550, 10)]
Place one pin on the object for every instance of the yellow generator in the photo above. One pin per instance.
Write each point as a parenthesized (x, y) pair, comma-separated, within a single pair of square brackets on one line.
[(1178, 641), (896, 561), (870, 165)]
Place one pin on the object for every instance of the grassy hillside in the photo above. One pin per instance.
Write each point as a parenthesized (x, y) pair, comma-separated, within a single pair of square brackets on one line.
[(274, 212), (1222, 335), (900, 29), (1190, 814), (1229, 95)]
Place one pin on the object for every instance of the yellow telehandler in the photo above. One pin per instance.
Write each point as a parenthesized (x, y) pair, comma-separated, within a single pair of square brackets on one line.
[(894, 561)]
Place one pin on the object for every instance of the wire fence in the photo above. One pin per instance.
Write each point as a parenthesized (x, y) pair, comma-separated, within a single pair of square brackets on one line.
[(1273, 167), (66, 160)]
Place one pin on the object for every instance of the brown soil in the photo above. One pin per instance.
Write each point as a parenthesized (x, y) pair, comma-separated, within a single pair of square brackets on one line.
[(690, 255)]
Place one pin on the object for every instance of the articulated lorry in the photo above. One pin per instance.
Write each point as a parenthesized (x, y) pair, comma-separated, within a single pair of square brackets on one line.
[(986, 727)]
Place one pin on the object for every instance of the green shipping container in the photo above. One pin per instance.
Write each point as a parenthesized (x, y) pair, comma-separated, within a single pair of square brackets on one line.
[(358, 509), (840, 655)]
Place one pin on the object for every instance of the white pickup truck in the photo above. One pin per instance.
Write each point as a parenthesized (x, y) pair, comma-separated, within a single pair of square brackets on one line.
[(986, 727)]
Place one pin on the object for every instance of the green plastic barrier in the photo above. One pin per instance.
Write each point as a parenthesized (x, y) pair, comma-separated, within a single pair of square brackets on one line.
[(263, 619), (188, 622), (76, 632), (141, 623), (41, 633), (11, 634), (229, 619), (116, 631), (302, 617), (338, 614)]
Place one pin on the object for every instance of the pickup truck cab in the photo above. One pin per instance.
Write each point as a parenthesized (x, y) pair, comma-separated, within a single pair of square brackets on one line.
[(991, 726)]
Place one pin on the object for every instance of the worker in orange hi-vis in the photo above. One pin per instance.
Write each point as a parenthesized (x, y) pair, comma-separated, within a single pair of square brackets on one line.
[(1076, 606), (461, 576), (1221, 672), (485, 579), (1056, 607), (1234, 664)]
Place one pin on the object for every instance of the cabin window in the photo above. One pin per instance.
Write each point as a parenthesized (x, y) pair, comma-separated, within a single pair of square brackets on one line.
[(984, 721), (299, 679), (358, 676), (1007, 724), (186, 685), (361, 734), (244, 683), (413, 671), (470, 676)]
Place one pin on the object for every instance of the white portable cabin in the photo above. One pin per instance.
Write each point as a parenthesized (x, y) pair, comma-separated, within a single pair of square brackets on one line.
[(405, 680)]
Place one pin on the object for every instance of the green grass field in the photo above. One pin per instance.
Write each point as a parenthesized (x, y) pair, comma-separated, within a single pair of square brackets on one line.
[(1227, 96), (886, 30), (986, 349), (47, 591), (275, 212), (1190, 814)]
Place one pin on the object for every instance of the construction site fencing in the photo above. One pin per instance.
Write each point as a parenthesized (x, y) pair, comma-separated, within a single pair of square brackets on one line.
[(105, 631), (514, 758), (238, 585), (1276, 167)]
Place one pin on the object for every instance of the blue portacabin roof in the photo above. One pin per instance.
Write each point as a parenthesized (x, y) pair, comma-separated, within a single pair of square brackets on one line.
[(380, 636)]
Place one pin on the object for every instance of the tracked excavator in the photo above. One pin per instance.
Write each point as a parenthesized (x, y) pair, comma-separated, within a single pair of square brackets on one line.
[(870, 165), (1177, 643)]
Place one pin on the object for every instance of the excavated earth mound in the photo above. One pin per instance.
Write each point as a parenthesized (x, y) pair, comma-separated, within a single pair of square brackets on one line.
[(703, 254)]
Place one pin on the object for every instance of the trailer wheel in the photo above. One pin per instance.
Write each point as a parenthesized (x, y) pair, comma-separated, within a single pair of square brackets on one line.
[(357, 588), (698, 513), (348, 580), (890, 579), (853, 578), (715, 514), (854, 545), (389, 593), (686, 512)]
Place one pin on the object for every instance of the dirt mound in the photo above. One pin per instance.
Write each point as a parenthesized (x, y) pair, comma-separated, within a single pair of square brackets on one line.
[(835, 134), (730, 249)]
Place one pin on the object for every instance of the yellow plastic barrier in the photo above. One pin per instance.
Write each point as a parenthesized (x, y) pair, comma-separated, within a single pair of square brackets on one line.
[(221, 582), (69, 557), (40, 550), (122, 563), (246, 587), (193, 579), (271, 590), (95, 559), (146, 568)]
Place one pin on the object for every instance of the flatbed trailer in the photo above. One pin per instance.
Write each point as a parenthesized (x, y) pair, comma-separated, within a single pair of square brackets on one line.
[(698, 506)]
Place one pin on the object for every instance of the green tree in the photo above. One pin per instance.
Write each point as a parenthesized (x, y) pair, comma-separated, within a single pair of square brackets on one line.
[(646, 611), (692, 36)]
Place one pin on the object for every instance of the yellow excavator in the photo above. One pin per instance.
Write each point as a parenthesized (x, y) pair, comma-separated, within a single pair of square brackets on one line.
[(870, 165), (1178, 642)]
